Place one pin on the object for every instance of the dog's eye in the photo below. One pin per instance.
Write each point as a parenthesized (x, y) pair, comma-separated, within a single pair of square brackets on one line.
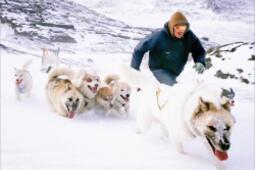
[(89, 80), (212, 128), (77, 100), (70, 99), (227, 128), (105, 98), (122, 90)]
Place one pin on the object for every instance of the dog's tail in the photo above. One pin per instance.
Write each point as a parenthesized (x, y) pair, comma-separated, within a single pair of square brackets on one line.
[(60, 71), (26, 64), (110, 78)]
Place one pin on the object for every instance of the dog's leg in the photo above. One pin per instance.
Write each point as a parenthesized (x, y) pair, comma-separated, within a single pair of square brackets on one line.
[(127, 108), (178, 144), (121, 112), (164, 131)]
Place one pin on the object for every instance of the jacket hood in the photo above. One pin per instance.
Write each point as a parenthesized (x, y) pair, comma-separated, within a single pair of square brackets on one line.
[(177, 18)]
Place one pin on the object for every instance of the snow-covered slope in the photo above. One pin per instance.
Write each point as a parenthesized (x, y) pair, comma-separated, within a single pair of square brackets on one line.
[(219, 20), (49, 23)]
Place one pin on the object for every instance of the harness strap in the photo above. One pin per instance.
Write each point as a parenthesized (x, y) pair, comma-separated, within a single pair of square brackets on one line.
[(158, 91)]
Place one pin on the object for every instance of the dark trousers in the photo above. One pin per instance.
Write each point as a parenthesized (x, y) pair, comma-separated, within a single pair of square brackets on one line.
[(164, 76)]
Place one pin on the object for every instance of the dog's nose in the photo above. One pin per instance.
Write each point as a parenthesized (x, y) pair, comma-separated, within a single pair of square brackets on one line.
[(224, 145), (111, 105), (127, 95), (96, 85), (74, 106)]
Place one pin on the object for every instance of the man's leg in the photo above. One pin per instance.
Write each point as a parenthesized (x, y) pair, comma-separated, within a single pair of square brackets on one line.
[(164, 76)]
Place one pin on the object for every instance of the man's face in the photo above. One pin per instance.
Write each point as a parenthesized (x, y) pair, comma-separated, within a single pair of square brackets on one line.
[(179, 30)]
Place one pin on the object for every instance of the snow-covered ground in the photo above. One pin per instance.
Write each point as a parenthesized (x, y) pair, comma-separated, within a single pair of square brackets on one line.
[(35, 138)]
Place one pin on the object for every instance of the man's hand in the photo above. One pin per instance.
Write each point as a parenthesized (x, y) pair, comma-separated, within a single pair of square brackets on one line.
[(200, 68)]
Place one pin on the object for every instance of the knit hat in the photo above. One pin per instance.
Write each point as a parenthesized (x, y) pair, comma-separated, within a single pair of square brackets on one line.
[(177, 18)]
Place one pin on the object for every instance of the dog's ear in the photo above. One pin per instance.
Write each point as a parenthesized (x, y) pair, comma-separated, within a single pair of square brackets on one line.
[(226, 105), (67, 88), (232, 92), (203, 106)]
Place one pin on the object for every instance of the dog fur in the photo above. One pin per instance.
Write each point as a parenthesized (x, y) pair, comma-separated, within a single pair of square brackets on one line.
[(62, 96), (23, 80)]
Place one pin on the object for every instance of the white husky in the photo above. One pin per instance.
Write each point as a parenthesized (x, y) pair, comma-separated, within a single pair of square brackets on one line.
[(185, 111), (23, 80)]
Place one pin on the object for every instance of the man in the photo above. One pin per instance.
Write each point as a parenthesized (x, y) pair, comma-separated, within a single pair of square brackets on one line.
[(168, 50)]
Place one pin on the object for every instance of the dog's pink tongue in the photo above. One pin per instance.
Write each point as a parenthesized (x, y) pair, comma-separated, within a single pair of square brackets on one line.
[(71, 115), (221, 155), (94, 89)]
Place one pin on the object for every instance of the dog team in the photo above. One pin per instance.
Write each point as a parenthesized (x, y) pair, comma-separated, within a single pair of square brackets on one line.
[(71, 92), (183, 111)]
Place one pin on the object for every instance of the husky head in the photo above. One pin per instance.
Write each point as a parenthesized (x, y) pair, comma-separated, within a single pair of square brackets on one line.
[(71, 100), (104, 97), (228, 95), (90, 84), (214, 124), (122, 91)]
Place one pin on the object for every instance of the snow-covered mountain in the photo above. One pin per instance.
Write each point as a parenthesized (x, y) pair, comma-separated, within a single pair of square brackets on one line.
[(219, 20), (52, 22)]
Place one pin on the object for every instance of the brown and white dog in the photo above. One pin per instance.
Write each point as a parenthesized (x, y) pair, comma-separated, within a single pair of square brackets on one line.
[(122, 92), (104, 98), (62, 96), (23, 80)]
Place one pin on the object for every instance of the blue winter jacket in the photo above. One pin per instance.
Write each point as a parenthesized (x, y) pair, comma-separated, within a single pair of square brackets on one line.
[(167, 52)]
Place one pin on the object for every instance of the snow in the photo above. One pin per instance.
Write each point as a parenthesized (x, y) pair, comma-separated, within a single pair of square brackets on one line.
[(34, 137), (221, 28)]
